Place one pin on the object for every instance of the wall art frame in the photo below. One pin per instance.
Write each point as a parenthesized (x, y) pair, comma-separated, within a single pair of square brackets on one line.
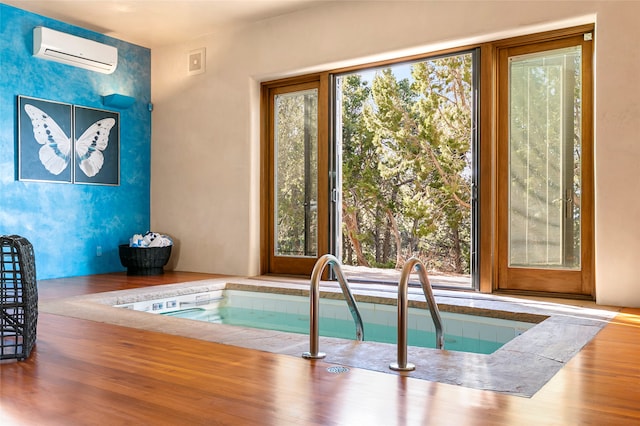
[(96, 146), (64, 143), (44, 140)]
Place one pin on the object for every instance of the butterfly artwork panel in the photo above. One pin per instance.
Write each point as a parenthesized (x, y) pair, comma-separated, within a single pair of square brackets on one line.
[(44, 140), (60, 142), (96, 146)]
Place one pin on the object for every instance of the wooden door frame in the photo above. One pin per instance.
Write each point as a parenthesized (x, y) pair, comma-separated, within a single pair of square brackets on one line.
[(587, 283), (293, 265), (488, 152)]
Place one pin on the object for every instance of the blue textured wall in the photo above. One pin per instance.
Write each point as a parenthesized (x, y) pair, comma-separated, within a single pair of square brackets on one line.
[(66, 222)]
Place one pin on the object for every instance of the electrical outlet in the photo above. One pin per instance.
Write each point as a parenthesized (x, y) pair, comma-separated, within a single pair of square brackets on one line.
[(98, 250)]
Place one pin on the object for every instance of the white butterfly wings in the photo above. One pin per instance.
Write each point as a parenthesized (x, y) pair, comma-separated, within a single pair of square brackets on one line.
[(90, 145), (54, 153), (56, 145)]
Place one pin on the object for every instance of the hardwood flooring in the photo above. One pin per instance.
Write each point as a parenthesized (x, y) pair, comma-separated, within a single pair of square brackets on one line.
[(87, 373)]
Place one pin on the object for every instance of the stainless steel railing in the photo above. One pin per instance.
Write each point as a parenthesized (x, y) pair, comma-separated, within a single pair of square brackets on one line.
[(314, 304), (403, 310)]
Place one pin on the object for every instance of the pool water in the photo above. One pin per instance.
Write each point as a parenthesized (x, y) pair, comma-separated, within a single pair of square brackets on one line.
[(288, 313)]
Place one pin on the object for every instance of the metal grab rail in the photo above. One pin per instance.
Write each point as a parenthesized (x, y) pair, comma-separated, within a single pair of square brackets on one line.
[(314, 305), (403, 309)]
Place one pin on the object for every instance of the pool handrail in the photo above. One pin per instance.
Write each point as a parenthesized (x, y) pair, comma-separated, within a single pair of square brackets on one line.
[(314, 304), (403, 304)]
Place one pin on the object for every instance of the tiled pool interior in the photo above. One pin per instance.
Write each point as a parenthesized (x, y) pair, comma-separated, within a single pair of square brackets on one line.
[(520, 367), (273, 311)]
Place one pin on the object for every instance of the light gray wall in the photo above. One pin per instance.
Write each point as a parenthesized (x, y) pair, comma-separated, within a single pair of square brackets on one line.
[(205, 142)]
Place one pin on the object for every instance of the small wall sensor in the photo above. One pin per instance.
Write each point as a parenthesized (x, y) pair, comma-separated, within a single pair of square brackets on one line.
[(197, 61)]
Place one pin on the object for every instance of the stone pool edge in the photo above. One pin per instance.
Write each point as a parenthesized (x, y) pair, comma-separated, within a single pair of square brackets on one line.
[(521, 367)]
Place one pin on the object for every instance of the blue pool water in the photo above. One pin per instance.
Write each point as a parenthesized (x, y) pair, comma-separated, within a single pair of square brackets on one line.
[(291, 314)]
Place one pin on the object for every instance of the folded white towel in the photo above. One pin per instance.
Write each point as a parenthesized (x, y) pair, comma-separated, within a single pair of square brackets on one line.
[(150, 239)]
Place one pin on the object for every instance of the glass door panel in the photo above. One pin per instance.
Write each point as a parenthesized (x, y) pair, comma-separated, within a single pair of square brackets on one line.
[(296, 174), (544, 159)]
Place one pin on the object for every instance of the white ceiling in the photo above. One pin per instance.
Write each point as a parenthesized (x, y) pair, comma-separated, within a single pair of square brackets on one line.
[(154, 23)]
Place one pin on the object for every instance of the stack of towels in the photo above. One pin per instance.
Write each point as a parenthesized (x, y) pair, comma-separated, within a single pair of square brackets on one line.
[(150, 239)]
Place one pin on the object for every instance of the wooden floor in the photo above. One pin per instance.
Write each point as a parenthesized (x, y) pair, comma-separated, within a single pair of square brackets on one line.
[(88, 373)]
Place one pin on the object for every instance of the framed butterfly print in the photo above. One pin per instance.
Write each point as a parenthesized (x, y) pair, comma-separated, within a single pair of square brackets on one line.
[(97, 146), (59, 142), (44, 140)]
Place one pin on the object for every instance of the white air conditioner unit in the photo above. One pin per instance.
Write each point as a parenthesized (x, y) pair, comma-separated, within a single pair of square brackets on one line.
[(73, 50)]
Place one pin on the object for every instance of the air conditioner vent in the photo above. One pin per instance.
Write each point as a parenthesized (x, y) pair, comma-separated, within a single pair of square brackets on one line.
[(72, 50)]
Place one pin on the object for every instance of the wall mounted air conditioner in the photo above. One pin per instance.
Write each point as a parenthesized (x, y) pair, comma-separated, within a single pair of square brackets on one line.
[(73, 50)]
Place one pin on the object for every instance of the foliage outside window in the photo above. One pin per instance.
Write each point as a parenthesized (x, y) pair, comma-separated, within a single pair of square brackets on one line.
[(406, 168)]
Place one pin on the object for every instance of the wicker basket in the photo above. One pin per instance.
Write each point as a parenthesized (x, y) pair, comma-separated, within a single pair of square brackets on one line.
[(144, 260), (18, 297)]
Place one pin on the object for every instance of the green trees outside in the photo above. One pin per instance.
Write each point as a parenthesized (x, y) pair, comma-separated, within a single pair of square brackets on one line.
[(406, 166)]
